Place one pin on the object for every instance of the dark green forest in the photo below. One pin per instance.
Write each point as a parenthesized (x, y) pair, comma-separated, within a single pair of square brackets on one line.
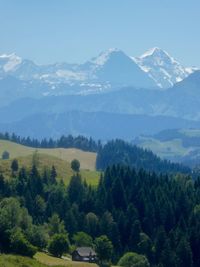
[(124, 153), (142, 207), (151, 214)]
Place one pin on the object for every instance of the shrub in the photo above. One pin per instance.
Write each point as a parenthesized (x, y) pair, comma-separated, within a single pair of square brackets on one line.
[(5, 155), (58, 244), (38, 237), (81, 239), (20, 245), (75, 165), (14, 166), (104, 250), (132, 259)]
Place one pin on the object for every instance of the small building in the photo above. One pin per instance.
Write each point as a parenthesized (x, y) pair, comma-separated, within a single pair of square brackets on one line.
[(85, 254)]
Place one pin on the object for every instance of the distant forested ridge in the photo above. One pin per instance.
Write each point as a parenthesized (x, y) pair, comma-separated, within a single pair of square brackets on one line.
[(123, 153), (154, 215), (189, 137), (80, 142)]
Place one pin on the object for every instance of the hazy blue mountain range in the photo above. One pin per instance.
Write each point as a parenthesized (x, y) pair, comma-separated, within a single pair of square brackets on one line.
[(99, 125), (124, 113), (112, 95), (180, 101)]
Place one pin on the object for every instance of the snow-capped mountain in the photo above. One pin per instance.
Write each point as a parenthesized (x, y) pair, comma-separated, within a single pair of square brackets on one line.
[(25, 69), (162, 67), (9, 63), (111, 69), (117, 69)]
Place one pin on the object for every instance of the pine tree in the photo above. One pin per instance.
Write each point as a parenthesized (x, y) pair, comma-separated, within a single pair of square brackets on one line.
[(53, 175), (75, 189), (14, 166), (184, 253), (118, 195)]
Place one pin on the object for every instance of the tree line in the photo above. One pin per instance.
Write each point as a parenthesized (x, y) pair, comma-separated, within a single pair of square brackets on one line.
[(80, 142)]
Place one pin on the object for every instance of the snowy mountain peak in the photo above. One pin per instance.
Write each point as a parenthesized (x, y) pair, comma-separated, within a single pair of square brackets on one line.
[(110, 69), (152, 51), (9, 62), (162, 67), (157, 54), (105, 56), (117, 69), (190, 70), (8, 56)]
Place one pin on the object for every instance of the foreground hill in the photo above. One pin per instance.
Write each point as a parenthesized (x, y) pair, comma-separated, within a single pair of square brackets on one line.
[(153, 214), (87, 159), (46, 158), (113, 152), (45, 162)]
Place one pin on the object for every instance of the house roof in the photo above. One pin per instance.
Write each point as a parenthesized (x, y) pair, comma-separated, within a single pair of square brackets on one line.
[(85, 251)]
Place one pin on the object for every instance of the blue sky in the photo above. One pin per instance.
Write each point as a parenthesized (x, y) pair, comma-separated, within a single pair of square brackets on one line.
[(48, 31)]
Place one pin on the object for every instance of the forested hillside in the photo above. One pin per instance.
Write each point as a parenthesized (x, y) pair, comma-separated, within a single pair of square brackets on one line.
[(141, 204), (153, 215), (120, 152)]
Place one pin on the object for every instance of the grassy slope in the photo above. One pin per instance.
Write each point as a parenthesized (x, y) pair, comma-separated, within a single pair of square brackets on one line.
[(18, 261), (40, 260), (168, 149), (87, 159), (49, 157), (52, 261), (172, 149), (191, 132)]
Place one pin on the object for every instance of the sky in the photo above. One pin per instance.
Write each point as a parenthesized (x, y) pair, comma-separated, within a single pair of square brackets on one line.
[(49, 31)]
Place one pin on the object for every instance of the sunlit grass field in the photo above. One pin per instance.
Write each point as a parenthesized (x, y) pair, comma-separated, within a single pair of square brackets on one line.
[(46, 158), (39, 260), (52, 261), (87, 159)]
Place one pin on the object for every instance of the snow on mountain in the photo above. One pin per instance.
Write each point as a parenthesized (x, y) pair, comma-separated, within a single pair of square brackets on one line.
[(9, 63), (25, 69), (104, 56), (110, 69), (162, 67), (118, 69), (190, 70)]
